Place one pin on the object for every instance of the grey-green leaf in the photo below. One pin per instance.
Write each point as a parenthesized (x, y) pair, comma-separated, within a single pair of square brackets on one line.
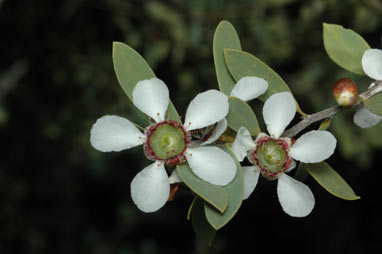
[(241, 114), (235, 192), (225, 37), (330, 180), (202, 228), (374, 104), (301, 173), (345, 47), (213, 194), (130, 68), (242, 64)]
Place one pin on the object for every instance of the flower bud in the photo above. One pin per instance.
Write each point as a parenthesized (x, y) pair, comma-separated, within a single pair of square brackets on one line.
[(345, 92)]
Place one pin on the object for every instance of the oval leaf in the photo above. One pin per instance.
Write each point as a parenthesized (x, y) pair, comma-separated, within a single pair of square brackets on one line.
[(235, 191), (242, 64), (328, 178), (202, 228), (225, 37), (301, 173), (130, 67), (345, 47), (213, 194), (374, 104), (241, 114)]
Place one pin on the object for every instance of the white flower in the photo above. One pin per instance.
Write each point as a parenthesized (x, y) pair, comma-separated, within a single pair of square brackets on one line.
[(166, 142), (372, 66), (273, 156), (248, 88)]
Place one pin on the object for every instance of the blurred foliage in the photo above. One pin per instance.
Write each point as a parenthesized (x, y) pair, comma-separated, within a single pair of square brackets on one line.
[(59, 195)]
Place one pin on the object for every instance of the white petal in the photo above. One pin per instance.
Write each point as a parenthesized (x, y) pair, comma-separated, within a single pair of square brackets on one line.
[(174, 177), (313, 147), (114, 133), (278, 112), (211, 164), (242, 144), (292, 165), (364, 118), (206, 109), (217, 132), (260, 136), (372, 63), (150, 188), (151, 96), (248, 88), (295, 198), (251, 176)]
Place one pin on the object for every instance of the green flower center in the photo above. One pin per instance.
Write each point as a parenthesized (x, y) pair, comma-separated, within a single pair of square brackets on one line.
[(167, 141), (271, 156)]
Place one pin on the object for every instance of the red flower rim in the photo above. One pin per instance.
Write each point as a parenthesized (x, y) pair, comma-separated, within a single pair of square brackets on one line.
[(179, 158), (264, 171)]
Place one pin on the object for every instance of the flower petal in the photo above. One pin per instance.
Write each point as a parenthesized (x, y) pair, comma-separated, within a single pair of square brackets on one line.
[(242, 144), (211, 164), (251, 177), (364, 118), (248, 88), (174, 177), (114, 133), (278, 112), (206, 109), (151, 96), (372, 63), (313, 147), (217, 132), (295, 198), (150, 188)]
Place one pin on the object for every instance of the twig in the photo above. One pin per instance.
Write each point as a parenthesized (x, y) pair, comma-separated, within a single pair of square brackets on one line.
[(330, 112)]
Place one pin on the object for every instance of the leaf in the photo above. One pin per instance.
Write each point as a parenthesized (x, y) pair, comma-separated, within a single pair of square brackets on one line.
[(301, 173), (374, 104), (235, 191), (202, 228), (241, 114), (242, 64), (225, 37), (345, 47), (213, 194), (325, 125), (190, 208), (130, 68), (330, 180)]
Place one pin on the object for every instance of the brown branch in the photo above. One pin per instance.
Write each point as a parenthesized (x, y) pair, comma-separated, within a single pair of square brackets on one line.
[(330, 112)]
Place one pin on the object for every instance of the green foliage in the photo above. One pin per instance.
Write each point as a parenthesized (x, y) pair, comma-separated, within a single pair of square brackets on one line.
[(234, 192), (240, 114), (201, 226), (374, 104), (213, 194), (329, 179), (225, 38), (345, 47), (130, 68)]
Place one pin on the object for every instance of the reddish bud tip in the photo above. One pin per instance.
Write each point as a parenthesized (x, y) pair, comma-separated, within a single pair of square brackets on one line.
[(173, 189), (345, 92)]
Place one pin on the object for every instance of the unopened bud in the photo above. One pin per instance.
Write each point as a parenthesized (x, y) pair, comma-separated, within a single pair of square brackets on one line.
[(345, 92)]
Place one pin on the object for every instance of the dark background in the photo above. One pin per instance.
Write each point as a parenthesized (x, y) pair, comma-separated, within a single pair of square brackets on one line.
[(59, 195)]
